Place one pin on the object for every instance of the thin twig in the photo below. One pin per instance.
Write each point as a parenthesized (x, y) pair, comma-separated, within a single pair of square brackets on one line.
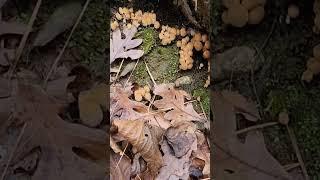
[(24, 38), (288, 167), (131, 73), (297, 151), (56, 61), (122, 155), (119, 69), (259, 126), (154, 82), (13, 151)]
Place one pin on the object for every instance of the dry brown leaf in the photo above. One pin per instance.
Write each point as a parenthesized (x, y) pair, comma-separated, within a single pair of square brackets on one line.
[(234, 159), (123, 170), (58, 89), (174, 167), (202, 152), (12, 28), (181, 137), (175, 99), (242, 105), (144, 139), (56, 138), (6, 56), (91, 103)]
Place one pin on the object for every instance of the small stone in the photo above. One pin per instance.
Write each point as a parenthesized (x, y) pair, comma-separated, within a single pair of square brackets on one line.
[(184, 80)]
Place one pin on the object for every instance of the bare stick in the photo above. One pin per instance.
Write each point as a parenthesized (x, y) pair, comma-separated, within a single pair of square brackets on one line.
[(119, 69), (24, 38), (154, 82), (13, 151), (131, 73), (56, 61), (297, 151), (288, 167), (122, 155), (259, 126)]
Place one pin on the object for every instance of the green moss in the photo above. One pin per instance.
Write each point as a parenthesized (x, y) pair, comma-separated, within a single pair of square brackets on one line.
[(91, 37), (304, 111), (149, 36), (204, 98), (163, 63)]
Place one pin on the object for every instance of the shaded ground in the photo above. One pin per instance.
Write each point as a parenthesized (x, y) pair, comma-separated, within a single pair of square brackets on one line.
[(277, 82)]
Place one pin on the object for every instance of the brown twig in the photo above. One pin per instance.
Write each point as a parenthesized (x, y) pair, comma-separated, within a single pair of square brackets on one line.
[(122, 155), (288, 167), (154, 82), (259, 126), (13, 151), (56, 61), (24, 39)]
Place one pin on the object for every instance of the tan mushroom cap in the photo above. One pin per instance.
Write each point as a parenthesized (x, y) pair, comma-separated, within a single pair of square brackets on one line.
[(293, 11), (307, 76), (316, 52), (237, 15), (250, 4), (256, 15)]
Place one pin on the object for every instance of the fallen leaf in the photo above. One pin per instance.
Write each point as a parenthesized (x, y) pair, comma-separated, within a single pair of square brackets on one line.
[(203, 152), (123, 48), (91, 103), (234, 159), (175, 99), (242, 105), (128, 68), (119, 171), (62, 19), (12, 28), (6, 55), (58, 89), (144, 139), (55, 137), (174, 167)]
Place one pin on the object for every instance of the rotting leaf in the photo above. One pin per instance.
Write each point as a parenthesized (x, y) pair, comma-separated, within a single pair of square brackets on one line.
[(234, 159), (175, 99), (145, 139), (55, 137), (91, 103), (123, 48), (12, 28), (62, 19), (123, 170)]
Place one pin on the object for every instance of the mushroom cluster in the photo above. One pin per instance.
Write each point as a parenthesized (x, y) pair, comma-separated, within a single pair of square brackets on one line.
[(242, 12), (142, 92), (313, 65), (131, 18), (316, 10), (168, 34), (199, 42)]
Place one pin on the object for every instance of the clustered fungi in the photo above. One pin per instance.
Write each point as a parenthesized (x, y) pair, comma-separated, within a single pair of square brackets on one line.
[(313, 65), (142, 93), (199, 42), (136, 19), (239, 13)]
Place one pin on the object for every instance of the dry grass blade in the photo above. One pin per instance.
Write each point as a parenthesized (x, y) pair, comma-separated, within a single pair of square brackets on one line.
[(56, 61), (24, 38)]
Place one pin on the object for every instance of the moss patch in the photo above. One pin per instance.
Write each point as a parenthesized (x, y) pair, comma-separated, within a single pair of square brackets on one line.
[(204, 98), (149, 36), (163, 63), (91, 37)]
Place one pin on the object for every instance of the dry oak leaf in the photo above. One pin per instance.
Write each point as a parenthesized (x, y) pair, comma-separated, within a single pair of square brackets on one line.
[(242, 105), (12, 28), (56, 138), (144, 139), (91, 103), (123, 48), (202, 152), (175, 99), (236, 160), (174, 168), (121, 107), (121, 171)]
